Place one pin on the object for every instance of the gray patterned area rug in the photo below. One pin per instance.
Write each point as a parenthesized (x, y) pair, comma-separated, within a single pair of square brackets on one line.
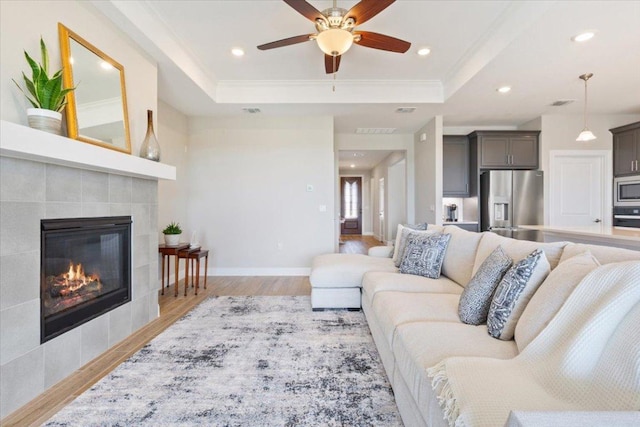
[(246, 361)]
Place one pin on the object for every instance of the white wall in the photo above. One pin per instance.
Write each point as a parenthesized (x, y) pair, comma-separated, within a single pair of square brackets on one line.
[(391, 201), (396, 197), (428, 172), (559, 132), (248, 197), (367, 207), (22, 24)]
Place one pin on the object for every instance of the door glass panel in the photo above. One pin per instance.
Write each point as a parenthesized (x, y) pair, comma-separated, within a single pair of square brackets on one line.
[(350, 195)]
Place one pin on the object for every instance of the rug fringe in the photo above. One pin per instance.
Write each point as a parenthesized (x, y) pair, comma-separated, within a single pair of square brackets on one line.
[(444, 393)]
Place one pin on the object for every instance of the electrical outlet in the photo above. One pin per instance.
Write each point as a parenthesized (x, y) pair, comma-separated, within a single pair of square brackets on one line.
[(322, 208), (309, 187)]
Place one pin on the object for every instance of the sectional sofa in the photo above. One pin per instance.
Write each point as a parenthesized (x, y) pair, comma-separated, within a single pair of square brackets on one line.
[(574, 359)]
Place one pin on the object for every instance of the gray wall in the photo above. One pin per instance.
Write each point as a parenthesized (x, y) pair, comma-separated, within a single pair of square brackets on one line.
[(29, 192)]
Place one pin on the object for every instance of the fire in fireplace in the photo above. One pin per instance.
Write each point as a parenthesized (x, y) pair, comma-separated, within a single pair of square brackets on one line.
[(85, 270)]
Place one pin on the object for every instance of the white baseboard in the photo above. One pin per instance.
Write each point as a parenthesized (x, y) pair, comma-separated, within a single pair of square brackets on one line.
[(368, 233), (300, 271)]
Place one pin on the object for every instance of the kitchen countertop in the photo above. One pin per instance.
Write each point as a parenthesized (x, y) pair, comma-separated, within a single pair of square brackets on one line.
[(624, 237), (458, 222)]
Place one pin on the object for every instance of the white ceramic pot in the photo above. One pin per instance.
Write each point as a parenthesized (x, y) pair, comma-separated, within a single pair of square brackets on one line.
[(45, 120), (172, 239)]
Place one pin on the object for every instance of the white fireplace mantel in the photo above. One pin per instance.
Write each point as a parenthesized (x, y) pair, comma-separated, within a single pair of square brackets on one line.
[(25, 143)]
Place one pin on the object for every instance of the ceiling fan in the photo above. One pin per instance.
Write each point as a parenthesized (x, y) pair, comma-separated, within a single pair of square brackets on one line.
[(336, 30)]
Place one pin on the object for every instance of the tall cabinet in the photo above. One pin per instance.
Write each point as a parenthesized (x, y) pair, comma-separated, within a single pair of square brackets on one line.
[(455, 166), (626, 149)]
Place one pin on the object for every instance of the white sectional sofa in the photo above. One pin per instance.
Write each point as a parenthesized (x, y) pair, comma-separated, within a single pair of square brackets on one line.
[(415, 325)]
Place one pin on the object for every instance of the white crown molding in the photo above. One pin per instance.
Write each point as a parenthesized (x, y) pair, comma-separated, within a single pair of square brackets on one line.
[(321, 91), (516, 18), (143, 24)]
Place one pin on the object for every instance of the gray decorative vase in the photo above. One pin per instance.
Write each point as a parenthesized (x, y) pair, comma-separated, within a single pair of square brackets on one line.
[(45, 120), (150, 148)]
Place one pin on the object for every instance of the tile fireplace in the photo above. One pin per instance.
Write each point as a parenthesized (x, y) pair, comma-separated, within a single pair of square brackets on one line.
[(85, 270)]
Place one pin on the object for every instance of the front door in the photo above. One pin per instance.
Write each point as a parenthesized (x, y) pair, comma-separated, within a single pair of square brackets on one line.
[(351, 205), (578, 188)]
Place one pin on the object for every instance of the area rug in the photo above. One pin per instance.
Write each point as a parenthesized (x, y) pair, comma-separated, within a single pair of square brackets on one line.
[(246, 361)]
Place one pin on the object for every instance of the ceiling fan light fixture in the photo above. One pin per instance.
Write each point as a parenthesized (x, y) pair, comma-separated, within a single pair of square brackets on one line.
[(334, 41)]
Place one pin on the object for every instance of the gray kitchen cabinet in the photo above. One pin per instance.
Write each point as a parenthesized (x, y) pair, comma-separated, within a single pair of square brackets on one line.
[(626, 149), (455, 166), (506, 149)]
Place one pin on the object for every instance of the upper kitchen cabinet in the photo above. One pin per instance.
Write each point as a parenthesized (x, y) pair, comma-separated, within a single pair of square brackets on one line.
[(626, 149), (506, 149), (455, 166)]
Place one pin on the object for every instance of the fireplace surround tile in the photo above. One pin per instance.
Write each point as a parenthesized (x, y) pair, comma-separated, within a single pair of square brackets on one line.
[(119, 189), (17, 270), (120, 209), (95, 209), (144, 191), (95, 187), (140, 282), (55, 210), (119, 324), (20, 330), (141, 251), (94, 338), (61, 356), (139, 312), (21, 180), (21, 380), (63, 184), (20, 226), (141, 219)]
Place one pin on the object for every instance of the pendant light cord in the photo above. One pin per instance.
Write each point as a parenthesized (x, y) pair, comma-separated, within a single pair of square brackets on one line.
[(585, 103)]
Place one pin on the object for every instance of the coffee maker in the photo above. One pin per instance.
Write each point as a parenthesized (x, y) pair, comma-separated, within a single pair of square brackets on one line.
[(451, 213)]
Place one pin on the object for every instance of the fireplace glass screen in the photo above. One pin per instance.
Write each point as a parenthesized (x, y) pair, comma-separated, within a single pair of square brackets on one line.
[(85, 271)]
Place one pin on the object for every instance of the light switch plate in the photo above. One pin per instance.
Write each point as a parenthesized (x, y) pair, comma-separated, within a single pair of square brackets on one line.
[(309, 187)]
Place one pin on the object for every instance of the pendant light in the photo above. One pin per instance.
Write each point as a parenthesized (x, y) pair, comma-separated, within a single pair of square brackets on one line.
[(586, 134)]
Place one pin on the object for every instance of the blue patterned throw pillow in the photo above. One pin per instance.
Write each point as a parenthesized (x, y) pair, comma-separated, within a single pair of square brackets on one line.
[(475, 300), (514, 292), (424, 254)]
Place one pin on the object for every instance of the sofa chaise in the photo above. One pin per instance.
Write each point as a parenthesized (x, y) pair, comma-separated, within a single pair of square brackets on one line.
[(576, 345)]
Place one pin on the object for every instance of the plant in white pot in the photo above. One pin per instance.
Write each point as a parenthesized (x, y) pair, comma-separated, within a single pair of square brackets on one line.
[(44, 93), (172, 234)]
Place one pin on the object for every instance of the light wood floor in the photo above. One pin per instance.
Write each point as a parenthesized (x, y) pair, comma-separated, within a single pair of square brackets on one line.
[(357, 244), (53, 400)]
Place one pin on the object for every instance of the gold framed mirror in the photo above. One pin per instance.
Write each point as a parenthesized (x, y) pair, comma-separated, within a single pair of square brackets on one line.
[(97, 109)]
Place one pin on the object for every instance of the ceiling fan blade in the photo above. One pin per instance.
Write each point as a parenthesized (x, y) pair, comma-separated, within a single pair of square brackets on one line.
[(286, 42), (382, 42), (329, 64), (367, 9), (306, 10)]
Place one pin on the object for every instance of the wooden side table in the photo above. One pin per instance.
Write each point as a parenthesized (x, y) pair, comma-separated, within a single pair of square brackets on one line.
[(190, 255), (168, 251)]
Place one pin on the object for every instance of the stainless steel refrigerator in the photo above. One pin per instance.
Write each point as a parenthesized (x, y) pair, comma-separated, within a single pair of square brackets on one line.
[(511, 198)]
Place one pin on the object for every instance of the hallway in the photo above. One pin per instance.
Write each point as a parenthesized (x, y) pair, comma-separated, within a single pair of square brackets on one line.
[(357, 244)]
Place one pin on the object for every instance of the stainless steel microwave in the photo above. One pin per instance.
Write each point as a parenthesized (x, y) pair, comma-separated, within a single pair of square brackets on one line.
[(627, 191)]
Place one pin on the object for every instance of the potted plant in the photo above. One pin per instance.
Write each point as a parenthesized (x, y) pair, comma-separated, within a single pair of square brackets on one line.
[(172, 234), (44, 93)]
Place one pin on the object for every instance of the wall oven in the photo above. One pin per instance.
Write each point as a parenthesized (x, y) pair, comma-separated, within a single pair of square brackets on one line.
[(627, 191), (626, 217)]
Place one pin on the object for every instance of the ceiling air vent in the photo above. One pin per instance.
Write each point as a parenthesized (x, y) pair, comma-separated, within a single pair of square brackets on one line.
[(405, 110), (375, 131), (561, 102), (251, 110)]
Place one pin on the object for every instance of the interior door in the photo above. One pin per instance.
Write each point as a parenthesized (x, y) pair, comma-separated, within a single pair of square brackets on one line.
[(351, 205), (577, 190)]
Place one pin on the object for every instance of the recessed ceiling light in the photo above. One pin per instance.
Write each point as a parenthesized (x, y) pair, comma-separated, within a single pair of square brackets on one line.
[(424, 51), (236, 51), (584, 36), (504, 89), (352, 165)]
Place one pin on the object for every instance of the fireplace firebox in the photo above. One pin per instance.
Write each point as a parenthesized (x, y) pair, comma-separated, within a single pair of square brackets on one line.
[(85, 270)]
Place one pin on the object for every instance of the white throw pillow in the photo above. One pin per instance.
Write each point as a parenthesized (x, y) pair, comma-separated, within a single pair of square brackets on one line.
[(514, 292), (551, 295)]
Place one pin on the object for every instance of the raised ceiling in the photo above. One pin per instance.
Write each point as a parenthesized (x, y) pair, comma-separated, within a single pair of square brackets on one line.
[(476, 46)]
